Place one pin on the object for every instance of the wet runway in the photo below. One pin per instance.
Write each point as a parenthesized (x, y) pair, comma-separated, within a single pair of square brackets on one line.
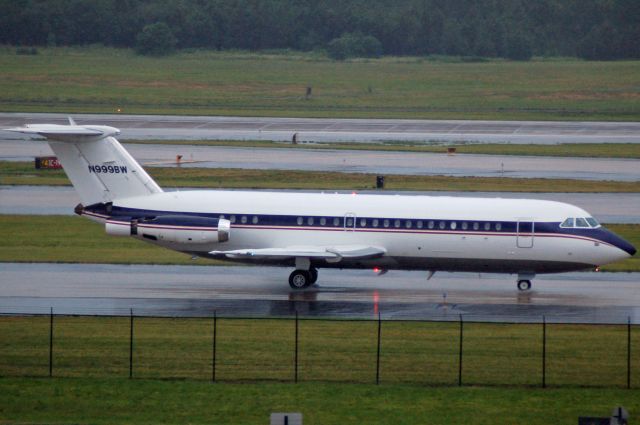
[(259, 292), (377, 162), (606, 207), (355, 130)]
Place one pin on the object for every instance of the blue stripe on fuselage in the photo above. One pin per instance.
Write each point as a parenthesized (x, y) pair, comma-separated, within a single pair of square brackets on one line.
[(599, 234)]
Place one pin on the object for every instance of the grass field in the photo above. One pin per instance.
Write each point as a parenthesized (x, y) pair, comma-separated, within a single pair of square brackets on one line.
[(29, 238), (586, 150), (24, 173), (425, 353), (108, 401), (96, 79)]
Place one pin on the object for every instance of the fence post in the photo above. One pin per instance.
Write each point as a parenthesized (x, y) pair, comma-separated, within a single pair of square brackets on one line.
[(215, 332), (544, 352), (295, 362), (460, 353), (378, 353), (131, 343), (629, 352), (51, 343)]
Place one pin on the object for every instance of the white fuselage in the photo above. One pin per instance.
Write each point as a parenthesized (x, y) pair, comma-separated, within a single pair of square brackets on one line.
[(417, 232)]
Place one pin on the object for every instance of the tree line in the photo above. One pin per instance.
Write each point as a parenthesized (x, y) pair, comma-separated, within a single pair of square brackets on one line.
[(517, 29)]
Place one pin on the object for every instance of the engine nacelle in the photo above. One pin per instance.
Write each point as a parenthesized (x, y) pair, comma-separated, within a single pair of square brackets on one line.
[(173, 228)]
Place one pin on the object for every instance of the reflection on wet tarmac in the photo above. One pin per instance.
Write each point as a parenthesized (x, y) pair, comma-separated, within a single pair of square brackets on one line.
[(261, 292)]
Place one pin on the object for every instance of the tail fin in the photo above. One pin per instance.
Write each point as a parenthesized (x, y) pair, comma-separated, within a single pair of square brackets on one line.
[(99, 168)]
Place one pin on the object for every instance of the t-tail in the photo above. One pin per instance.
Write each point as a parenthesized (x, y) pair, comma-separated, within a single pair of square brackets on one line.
[(99, 168)]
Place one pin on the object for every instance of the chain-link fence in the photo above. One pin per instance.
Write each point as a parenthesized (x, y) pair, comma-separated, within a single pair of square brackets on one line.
[(303, 349)]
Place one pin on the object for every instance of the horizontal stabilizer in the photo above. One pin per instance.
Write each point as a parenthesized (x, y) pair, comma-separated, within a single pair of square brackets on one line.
[(67, 133)]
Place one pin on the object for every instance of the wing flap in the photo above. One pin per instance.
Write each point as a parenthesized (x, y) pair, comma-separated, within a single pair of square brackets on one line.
[(331, 254)]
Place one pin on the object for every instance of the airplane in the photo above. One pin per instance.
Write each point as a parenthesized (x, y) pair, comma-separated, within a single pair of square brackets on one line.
[(310, 231)]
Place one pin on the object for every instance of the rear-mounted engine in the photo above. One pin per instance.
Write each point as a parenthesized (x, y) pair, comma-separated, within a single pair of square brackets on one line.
[(172, 228)]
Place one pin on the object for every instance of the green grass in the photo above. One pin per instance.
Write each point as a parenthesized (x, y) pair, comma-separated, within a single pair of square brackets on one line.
[(240, 83), (24, 173), (108, 401), (583, 150), (249, 350), (28, 238)]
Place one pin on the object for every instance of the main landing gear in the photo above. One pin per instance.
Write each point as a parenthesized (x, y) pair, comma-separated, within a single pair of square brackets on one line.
[(300, 279), (524, 281)]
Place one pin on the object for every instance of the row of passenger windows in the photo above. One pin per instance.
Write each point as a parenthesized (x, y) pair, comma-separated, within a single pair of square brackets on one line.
[(377, 223)]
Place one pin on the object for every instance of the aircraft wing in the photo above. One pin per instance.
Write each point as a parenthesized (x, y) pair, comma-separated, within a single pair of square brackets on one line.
[(331, 254)]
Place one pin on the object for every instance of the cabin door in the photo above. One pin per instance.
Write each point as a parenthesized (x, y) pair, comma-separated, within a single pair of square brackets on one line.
[(525, 234), (349, 222)]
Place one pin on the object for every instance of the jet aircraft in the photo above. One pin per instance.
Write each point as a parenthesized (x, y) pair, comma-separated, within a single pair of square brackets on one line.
[(310, 231)]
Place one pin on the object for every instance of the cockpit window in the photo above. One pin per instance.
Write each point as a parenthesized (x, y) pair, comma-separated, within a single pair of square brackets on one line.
[(567, 223), (593, 222), (581, 222)]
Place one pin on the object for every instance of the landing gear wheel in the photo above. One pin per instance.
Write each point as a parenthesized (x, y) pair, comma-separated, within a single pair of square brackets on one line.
[(299, 279), (314, 275), (524, 285)]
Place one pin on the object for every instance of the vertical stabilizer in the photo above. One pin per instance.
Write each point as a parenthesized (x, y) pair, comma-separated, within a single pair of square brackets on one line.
[(99, 168)]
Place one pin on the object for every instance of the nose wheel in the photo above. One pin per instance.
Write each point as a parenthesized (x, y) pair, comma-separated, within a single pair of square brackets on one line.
[(524, 285)]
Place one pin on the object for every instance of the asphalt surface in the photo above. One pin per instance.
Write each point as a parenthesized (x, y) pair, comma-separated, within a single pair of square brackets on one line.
[(606, 207), (377, 162), (259, 292), (353, 130)]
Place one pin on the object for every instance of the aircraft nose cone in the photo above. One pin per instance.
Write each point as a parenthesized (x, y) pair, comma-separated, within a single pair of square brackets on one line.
[(623, 245)]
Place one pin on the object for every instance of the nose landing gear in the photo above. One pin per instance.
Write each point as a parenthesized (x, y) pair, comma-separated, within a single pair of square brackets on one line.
[(524, 281), (524, 285)]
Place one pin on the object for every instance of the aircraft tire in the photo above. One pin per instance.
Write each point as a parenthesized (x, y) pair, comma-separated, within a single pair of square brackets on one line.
[(524, 285), (299, 279), (314, 275)]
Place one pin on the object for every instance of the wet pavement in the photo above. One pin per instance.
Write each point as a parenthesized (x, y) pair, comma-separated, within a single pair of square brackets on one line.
[(606, 207), (263, 292), (349, 161), (353, 130)]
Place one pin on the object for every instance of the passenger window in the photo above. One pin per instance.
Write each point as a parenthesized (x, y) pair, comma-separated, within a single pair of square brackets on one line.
[(419, 224), (243, 219), (310, 221), (498, 226), (465, 225), (336, 221), (581, 222), (323, 221), (349, 222), (431, 224), (254, 220), (487, 226), (375, 222), (453, 225), (300, 221), (408, 224), (232, 219), (222, 216), (386, 223), (567, 223), (476, 226), (442, 225), (396, 223), (363, 222)]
